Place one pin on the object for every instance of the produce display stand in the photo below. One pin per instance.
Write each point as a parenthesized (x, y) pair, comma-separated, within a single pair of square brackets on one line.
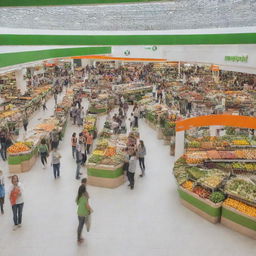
[(203, 207), (106, 176), (238, 221), (210, 171), (105, 165), (23, 161)]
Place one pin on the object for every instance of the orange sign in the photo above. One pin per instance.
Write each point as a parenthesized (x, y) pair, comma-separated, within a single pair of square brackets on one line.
[(226, 120), (215, 68)]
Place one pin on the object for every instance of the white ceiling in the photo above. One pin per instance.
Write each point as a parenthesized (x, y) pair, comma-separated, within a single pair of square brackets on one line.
[(179, 14)]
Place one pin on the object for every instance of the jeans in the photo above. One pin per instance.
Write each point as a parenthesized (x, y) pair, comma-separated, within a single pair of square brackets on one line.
[(73, 151), (78, 167), (83, 220), (136, 124), (44, 158), (56, 170), (84, 158), (2, 204), (88, 147), (3, 151), (17, 213), (55, 144), (130, 176), (25, 127), (142, 164)]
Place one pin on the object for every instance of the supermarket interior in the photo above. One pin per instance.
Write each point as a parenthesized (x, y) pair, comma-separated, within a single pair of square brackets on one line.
[(127, 127)]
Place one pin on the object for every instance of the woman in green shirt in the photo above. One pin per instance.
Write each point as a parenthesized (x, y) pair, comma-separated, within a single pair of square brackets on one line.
[(44, 152), (83, 211)]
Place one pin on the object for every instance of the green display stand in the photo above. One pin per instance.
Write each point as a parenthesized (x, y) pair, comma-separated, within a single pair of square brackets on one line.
[(93, 110), (238, 221), (105, 176), (203, 207)]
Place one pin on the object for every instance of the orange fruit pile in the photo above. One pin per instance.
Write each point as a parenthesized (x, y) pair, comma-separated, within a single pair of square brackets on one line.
[(242, 207), (18, 148)]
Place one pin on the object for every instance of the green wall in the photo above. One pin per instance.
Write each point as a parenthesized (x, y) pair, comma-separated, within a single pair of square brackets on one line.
[(8, 59), (239, 38), (66, 2)]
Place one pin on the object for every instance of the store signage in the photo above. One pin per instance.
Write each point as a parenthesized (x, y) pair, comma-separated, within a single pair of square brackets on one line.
[(127, 53), (153, 48), (237, 58)]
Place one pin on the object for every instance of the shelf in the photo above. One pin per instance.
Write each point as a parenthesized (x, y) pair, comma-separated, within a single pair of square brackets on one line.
[(231, 160)]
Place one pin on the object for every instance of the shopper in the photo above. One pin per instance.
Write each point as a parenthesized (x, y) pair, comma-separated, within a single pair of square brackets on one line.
[(141, 152), (25, 122), (83, 211), (55, 95), (55, 138), (74, 114), (56, 163), (126, 161), (131, 170), (16, 199), (44, 105), (74, 144), (44, 152), (84, 182), (136, 114), (3, 144), (79, 159), (2, 192), (89, 142), (154, 91), (126, 107), (82, 116), (132, 120), (82, 143)]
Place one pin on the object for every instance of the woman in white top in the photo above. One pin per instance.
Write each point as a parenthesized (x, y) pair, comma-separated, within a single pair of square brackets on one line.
[(56, 163), (16, 199)]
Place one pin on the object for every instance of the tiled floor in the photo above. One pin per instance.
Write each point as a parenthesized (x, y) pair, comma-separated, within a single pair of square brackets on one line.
[(146, 221)]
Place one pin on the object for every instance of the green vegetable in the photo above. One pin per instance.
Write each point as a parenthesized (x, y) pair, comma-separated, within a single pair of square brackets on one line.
[(196, 173), (217, 197)]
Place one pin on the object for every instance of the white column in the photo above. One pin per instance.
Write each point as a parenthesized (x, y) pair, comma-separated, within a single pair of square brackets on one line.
[(85, 62), (179, 144), (179, 69), (118, 64), (20, 82)]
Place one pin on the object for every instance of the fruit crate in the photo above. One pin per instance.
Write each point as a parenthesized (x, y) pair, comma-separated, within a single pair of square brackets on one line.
[(203, 207), (238, 221)]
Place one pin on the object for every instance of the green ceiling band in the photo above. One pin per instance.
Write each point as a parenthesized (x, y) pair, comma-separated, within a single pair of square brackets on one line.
[(105, 173), (9, 59), (5, 3), (203, 206), (239, 219), (239, 38)]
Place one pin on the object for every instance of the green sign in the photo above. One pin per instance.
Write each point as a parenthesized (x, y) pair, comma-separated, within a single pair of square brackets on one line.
[(153, 48), (237, 58)]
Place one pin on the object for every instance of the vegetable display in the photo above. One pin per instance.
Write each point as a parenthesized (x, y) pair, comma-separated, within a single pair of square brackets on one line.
[(240, 206), (217, 197), (242, 188)]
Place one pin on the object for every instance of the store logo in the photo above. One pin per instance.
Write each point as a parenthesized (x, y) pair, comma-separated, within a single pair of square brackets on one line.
[(153, 48), (127, 53), (237, 58)]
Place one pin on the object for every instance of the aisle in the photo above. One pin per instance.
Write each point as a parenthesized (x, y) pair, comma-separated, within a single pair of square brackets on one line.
[(148, 220)]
